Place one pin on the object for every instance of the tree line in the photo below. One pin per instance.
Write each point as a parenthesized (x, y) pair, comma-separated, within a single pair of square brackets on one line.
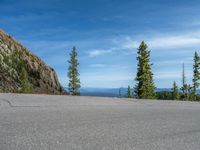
[(145, 87)]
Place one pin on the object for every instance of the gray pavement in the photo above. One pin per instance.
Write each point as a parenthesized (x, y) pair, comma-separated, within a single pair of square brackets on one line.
[(41, 122)]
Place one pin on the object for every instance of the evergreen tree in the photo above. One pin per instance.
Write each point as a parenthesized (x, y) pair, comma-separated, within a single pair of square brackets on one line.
[(26, 86), (196, 74), (184, 87), (191, 94), (145, 86), (129, 95), (175, 92), (73, 74)]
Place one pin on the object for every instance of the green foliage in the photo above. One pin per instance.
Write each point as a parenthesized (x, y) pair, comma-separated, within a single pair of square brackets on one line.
[(129, 95), (26, 86), (197, 97), (20, 66), (175, 92), (17, 63), (196, 74), (184, 88), (164, 95), (145, 86), (188, 91), (73, 74)]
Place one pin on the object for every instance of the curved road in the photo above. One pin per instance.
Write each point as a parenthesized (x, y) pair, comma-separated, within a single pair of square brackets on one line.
[(41, 122)]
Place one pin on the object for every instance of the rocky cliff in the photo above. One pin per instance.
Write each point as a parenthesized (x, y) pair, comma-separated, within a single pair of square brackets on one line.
[(15, 59)]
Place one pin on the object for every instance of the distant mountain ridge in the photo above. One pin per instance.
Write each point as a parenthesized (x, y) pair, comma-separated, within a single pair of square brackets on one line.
[(42, 78), (113, 92)]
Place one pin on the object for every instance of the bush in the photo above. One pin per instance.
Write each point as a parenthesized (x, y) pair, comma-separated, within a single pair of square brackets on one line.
[(164, 95)]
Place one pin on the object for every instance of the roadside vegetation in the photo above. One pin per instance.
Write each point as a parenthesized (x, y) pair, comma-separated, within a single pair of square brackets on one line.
[(145, 87), (14, 67), (73, 74)]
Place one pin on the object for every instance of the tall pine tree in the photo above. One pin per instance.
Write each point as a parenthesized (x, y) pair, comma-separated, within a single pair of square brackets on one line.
[(129, 95), (184, 87), (175, 92), (196, 74), (73, 74), (145, 86)]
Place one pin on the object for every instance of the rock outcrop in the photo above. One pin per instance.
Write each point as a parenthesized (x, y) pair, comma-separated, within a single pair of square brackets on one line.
[(42, 78)]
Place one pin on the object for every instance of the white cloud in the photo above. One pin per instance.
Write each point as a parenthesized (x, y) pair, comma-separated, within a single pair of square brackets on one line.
[(130, 44), (97, 65), (188, 60), (125, 45), (98, 52), (182, 40), (171, 74)]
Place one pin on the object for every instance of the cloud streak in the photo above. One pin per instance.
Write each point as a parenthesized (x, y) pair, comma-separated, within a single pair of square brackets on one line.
[(98, 52), (174, 42), (97, 65), (181, 40)]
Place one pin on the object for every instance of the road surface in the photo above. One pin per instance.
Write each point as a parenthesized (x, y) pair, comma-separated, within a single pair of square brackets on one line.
[(41, 122)]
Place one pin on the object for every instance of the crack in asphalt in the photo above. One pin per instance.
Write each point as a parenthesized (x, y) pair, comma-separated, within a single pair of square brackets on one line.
[(11, 105)]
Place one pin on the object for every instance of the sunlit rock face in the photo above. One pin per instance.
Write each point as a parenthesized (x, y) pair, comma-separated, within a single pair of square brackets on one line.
[(42, 77)]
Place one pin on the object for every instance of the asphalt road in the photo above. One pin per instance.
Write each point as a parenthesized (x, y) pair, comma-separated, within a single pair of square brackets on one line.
[(40, 122)]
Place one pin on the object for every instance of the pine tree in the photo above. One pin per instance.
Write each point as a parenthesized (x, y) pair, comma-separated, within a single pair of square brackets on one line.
[(175, 92), (129, 95), (196, 74), (145, 86), (184, 87), (26, 86), (73, 74), (191, 95)]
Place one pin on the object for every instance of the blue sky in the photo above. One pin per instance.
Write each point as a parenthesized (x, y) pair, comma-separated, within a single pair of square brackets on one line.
[(107, 34)]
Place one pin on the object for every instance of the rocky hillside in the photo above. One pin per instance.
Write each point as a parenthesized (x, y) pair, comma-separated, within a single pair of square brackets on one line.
[(22, 71)]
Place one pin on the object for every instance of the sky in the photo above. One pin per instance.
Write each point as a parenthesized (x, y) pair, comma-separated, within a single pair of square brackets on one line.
[(107, 34)]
